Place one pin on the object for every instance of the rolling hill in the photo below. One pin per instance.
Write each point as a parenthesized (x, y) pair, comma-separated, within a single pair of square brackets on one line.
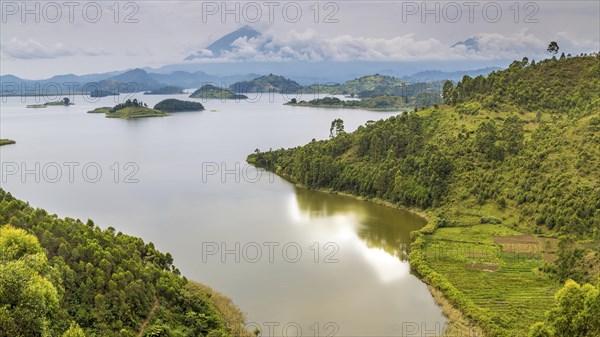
[(508, 173)]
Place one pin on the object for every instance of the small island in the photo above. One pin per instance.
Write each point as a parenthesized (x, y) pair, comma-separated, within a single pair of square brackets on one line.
[(382, 103), (214, 92), (64, 102), (168, 90), (175, 105), (7, 142), (129, 110)]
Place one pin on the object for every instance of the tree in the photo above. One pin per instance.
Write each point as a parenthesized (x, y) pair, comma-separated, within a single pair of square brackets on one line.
[(512, 134), (29, 300), (338, 126), (447, 90), (486, 136), (553, 48), (74, 331), (575, 313)]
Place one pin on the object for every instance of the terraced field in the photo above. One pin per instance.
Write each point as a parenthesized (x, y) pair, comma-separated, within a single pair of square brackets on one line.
[(496, 277)]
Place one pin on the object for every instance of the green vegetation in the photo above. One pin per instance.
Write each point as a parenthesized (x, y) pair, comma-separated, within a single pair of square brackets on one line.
[(102, 110), (269, 83), (383, 103), (372, 86), (63, 277), (7, 142), (130, 109), (575, 313), (508, 170), (168, 90), (377, 92), (209, 91), (174, 105), (378, 85), (64, 102), (136, 112)]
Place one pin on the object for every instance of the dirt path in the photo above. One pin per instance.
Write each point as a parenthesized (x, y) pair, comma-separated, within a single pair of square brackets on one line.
[(150, 314)]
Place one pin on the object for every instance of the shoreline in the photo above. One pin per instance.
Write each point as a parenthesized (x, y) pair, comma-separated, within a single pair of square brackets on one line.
[(457, 322), (344, 107)]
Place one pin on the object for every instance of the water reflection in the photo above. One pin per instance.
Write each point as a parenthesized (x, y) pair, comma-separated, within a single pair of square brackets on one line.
[(381, 234)]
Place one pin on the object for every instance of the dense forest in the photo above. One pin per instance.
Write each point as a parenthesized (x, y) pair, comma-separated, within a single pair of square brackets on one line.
[(64, 277), (268, 83), (513, 156), (176, 105)]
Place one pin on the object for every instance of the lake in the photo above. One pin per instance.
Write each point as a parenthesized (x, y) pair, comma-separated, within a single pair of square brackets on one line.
[(298, 262)]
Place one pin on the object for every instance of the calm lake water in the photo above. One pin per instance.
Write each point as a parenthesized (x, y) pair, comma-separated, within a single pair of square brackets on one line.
[(292, 259)]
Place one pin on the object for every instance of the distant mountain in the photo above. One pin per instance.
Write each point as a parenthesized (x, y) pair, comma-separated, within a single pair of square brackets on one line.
[(197, 79), (193, 75), (135, 80), (471, 44), (269, 83), (185, 79), (436, 75), (10, 79), (168, 90), (224, 44)]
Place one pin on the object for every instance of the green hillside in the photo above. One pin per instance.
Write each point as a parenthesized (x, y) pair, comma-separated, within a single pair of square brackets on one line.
[(268, 83), (209, 91), (508, 172), (63, 277), (175, 105), (367, 85)]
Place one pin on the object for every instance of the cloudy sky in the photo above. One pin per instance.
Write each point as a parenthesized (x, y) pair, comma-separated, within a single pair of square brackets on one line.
[(41, 39)]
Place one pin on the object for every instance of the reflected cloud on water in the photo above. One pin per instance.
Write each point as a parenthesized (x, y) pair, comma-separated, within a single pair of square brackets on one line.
[(380, 234)]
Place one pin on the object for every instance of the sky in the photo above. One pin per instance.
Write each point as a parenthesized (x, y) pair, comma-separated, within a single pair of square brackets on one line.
[(39, 39)]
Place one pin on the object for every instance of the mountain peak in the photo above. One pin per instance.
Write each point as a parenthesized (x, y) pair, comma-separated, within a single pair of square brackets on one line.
[(224, 44)]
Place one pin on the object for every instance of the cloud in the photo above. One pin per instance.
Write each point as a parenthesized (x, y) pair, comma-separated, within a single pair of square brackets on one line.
[(309, 45), (32, 49)]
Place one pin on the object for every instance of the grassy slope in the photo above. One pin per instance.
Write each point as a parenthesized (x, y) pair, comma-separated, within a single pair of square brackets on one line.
[(484, 270)]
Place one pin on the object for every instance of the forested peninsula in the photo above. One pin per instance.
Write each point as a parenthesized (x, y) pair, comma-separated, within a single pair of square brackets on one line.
[(507, 170)]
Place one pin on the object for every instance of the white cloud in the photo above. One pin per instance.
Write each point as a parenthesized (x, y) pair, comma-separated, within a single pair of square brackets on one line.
[(309, 45), (31, 49)]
